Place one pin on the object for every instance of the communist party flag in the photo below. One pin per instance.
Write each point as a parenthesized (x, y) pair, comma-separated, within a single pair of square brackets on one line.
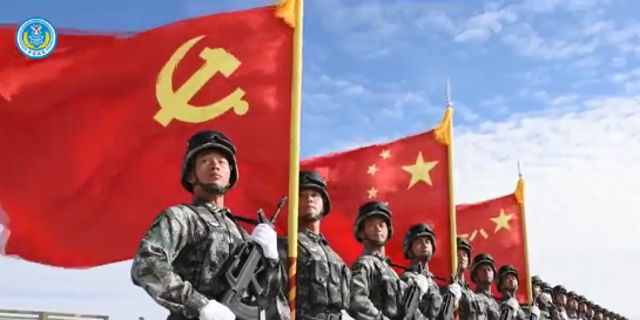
[(90, 157), (410, 174), (497, 227)]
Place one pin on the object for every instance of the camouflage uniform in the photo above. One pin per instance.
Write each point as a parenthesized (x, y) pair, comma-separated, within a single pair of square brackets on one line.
[(507, 312), (483, 305), (181, 260), (323, 279), (376, 289), (431, 301)]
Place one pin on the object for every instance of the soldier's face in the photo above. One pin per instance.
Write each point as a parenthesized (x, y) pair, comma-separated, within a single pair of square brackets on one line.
[(310, 205), (560, 299), (582, 307), (590, 312), (572, 304), (484, 273), (510, 282), (463, 258), (598, 315), (211, 167), (536, 290), (375, 230), (422, 248)]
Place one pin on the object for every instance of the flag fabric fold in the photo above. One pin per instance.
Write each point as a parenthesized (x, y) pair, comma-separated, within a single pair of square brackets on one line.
[(410, 174), (92, 155), (495, 227)]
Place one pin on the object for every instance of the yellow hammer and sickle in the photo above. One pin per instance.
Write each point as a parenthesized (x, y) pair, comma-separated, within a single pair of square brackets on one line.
[(175, 105)]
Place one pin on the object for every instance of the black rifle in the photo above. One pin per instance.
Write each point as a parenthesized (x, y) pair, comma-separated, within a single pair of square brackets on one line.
[(448, 303), (242, 275), (412, 298)]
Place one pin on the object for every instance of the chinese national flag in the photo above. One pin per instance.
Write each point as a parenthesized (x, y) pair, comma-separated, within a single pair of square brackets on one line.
[(495, 227), (409, 174), (88, 158)]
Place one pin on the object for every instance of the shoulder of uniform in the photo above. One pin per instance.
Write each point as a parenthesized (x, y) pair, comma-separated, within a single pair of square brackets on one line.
[(406, 275), (177, 211), (366, 262)]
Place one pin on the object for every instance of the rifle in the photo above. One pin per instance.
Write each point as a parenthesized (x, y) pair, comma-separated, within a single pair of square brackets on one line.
[(241, 275), (448, 303), (412, 297)]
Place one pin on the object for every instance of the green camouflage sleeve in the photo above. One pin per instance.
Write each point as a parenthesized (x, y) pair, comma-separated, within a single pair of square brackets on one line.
[(361, 307), (152, 269)]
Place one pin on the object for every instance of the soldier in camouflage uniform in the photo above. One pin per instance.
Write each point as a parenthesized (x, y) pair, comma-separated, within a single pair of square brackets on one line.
[(590, 311), (560, 300), (545, 302), (572, 305), (507, 283), (376, 289), (467, 302), (598, 315), (419, 245), (485, 307), (182, 258), (323, 279)]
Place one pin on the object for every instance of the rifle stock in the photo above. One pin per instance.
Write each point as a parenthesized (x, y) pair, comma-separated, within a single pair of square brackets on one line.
[(242, 273)]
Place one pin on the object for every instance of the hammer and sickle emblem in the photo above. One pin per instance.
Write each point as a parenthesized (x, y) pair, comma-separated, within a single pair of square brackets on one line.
[(175, 105)]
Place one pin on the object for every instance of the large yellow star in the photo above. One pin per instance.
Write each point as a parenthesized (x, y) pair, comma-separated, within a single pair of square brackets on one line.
[(502, 221), (385, 154), (372, 169), (372, 193), (420, 171)]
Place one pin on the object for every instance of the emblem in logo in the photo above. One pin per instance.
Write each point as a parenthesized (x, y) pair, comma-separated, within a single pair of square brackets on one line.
[(36, 38)]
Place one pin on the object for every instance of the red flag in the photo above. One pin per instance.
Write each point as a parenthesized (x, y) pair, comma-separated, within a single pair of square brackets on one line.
[(17, 70), (409, 174), (90, 158), (495, 227)]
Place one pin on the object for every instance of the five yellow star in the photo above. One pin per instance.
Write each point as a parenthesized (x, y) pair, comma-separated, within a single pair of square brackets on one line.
[(385, 154), (502, 221), (372, 193), (420, 171), (372, 169)]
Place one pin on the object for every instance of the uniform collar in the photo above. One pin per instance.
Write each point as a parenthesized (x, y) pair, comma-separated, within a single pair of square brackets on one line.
[(380, 256), (315, 237), (486, 292)]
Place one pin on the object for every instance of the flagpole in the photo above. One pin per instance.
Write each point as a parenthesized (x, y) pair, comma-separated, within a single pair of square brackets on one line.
[(291, 11), (519, 194), (444, 135)]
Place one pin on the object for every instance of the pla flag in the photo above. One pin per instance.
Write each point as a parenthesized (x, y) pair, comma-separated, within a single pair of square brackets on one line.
[(496, 227), (89, 158), (410, 174)]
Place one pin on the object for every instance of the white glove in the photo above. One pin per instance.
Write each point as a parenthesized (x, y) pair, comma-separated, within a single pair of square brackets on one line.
[(422, 283), (456, 290), (513, 303), (346, 316), (535, 311), (267, 238), (215, 310), (545, 297), (564, 315)]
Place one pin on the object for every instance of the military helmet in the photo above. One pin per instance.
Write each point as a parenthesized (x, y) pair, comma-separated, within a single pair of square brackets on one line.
[(572, 296), (536, 280), (463, 244), (582, 299), (414, 232), (505, 270), (369, 209), (209, 139), (311, 180), (545, 287), (480, 259), (559, 289)]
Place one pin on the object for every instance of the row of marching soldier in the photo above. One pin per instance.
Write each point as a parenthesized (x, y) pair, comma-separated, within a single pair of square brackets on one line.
[(187, 261)]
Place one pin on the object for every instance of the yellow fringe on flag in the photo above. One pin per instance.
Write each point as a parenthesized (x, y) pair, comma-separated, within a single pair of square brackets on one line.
[(443, 130), (519, 193), (286, 10)]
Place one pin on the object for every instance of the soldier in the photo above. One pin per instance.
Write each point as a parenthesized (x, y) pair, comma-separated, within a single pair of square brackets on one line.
[(483, 270), (598, 313), (572, 305), (545, 302), (507, 283), (536, 289), (181, 260), (376, 289), (323, 279), (560, 300), (582, 307), (419, 245), (467, 303), (590, 312)]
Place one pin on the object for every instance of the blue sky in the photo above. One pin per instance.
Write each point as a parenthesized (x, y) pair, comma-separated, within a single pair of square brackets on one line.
[(555, 84)]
